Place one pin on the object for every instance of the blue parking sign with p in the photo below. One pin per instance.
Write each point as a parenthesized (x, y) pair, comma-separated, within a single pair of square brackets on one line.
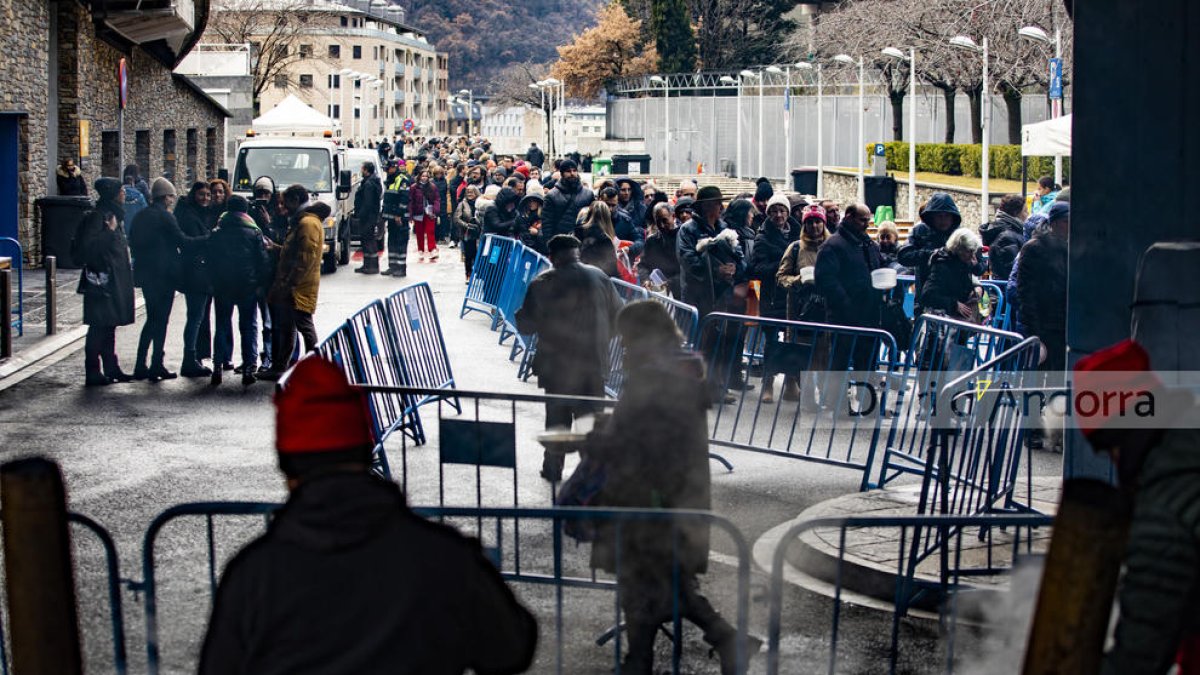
[(879, 150)]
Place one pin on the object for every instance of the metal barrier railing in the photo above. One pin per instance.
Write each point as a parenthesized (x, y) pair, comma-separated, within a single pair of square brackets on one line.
[(998, 316), (1004, 539), (558, 572)]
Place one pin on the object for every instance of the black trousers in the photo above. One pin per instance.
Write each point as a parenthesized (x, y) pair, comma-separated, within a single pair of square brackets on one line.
[(371, 236), (470, 248), (100, 350), (397, 241), (647, 599), (160, 298), (288, 322)]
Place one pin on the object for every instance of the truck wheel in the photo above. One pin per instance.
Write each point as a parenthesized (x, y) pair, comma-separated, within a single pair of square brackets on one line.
[(344, 253)]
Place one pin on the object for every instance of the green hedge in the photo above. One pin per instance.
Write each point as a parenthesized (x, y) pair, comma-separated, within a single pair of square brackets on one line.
[(967, 160)]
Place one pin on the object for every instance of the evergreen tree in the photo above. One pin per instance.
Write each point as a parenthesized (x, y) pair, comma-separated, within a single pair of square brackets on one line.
[(670, 22)]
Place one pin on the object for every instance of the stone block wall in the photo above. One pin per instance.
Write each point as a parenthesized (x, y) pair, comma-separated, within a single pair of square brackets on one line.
[(843, 186), (25, 43)]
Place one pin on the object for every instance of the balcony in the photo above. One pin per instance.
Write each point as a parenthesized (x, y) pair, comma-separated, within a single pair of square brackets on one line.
[(416, 73), (142, 21)]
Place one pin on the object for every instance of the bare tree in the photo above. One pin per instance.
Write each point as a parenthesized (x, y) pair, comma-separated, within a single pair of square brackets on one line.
[(273, 29)]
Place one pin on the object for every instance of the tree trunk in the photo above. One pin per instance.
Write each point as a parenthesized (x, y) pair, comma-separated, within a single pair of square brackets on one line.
[(1012, 101), (949, 94), (897, 99), (974, 97)]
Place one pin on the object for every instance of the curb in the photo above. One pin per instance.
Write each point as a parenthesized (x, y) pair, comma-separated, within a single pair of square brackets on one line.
[(49, 351)]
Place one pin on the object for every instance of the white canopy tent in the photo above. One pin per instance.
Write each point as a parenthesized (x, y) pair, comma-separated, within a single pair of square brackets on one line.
[(292, 117), (1051, 138)]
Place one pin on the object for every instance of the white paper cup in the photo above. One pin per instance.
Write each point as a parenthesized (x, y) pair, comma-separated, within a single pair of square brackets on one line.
[(884, 278), (808, 274)]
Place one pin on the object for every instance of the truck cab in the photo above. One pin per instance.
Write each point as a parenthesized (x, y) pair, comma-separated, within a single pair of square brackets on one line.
[(314, 163)]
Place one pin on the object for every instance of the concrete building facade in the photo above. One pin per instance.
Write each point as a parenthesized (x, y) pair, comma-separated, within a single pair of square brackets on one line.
[(61, 99)]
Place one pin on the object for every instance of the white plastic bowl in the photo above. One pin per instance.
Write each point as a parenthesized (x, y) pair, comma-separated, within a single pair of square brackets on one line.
[(884, 278), (808, 274)]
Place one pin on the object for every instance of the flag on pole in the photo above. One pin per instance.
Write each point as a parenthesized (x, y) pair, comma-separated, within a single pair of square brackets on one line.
[(787, 98)]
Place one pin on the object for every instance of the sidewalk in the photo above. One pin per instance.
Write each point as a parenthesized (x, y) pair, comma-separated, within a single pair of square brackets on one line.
[(35, 350)]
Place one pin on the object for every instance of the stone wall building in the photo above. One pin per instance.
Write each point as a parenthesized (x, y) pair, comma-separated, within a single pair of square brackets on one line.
[(61, 99)]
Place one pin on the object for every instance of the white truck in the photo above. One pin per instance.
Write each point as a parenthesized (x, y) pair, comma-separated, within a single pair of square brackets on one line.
[(315, 163)]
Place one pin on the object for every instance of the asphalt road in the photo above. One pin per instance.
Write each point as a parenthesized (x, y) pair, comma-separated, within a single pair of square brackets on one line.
[(130, 451)]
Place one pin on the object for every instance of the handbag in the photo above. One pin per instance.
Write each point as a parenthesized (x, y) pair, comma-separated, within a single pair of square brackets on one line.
[(583, 488), (94, 284)]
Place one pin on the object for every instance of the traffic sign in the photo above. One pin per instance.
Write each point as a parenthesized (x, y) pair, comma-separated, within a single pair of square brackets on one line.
[(122, 83), (1056, 78), (880, 151), (409, 125)]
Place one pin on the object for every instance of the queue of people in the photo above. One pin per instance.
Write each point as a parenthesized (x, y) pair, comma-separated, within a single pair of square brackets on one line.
[(224, 253)]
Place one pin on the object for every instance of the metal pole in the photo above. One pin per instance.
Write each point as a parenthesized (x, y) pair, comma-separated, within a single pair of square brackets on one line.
[(787, 125), (862, 134), (6, 301), (912, 136), (986, 102), (737, 172), (762, 84), (51, 265), (666, 127), (820, 137), (39, 576), (1058, 108)]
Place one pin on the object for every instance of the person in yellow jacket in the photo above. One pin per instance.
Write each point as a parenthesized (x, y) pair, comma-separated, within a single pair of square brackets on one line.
[(293, 295)]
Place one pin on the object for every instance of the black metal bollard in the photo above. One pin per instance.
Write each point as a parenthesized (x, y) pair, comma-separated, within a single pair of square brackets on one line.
[(39, 574), (51, 265), (6, 301)]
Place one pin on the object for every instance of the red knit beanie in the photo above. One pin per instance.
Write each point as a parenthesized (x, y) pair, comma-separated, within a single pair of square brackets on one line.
[(1121, 368), (320, 419), (523, 170)]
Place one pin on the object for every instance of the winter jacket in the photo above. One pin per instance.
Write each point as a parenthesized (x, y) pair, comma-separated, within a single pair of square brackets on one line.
[(445, 197), (419, 203), (135, 201), (310, 595), (625, 230), (655, 452), (367, 202), (396, 195), (1160, 591), (923, 240), (572, 309), (529, 223), (700, 283), (562, 208), (660, 253), (797, 256), (155, 245), (105, 253), (769, 246), (1004, 237), (298, 275), (502, 219), (194, 221), (1042, 295), (71, 184), (535, 156), (465, 220), (843, 276), (597, 249), (237, 257), (949, 283)]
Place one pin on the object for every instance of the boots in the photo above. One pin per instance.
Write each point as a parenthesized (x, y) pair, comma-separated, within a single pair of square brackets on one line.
[(395, 270), (726, 649), (191, 367), (791, 389), (370, 264), (768, 390)]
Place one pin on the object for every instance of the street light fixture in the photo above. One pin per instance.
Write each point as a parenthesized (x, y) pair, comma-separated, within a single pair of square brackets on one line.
[(656, 79), (1038, 35), (345, 75), (862, 133), (985, 104), (557, 133), (911, 58)]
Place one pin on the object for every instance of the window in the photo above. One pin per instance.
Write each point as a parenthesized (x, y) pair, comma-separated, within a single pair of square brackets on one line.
[(306, 81), (345, 21), (255, 48), (281, 81), (335, 111), (281, 51), (110, 153), (358, 84), (141, 150), (210, 151), (193, 152), (335, 51), (357, 52), (306, 51), (335, 81), (168, 155), (357, 113)]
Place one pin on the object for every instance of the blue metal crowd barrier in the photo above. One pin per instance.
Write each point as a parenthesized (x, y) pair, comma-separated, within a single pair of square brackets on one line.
[(1005, 538), (826, 425), (555, 570), (998, 316), (941, 348), (488, 277), (393, 342), (18, 264)]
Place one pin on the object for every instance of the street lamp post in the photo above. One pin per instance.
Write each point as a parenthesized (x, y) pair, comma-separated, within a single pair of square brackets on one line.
[(345, 74), (743, 76), (912, 125), (985, 104), (666, 121), (555, 86), (774, 70), (1039, 35), (862, 134)]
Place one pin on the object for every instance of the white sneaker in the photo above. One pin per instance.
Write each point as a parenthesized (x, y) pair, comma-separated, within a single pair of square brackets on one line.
[(422, 257)]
